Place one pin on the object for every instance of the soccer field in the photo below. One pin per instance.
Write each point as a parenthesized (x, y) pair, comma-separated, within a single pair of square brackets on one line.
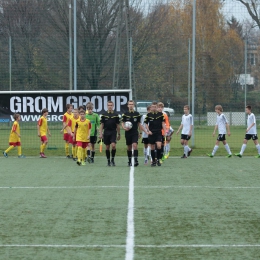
[(198, 208)]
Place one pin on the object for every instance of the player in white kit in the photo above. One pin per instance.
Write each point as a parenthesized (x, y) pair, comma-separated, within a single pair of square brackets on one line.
[(251, 132), (167, 147), (223, 129), (186, 126), (147, 150)]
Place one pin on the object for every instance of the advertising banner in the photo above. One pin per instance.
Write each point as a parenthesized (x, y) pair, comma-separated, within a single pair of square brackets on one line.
[(30, 104)]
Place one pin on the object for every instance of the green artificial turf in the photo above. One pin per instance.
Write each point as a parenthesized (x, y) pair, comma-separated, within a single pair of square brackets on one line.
[(196, 208)]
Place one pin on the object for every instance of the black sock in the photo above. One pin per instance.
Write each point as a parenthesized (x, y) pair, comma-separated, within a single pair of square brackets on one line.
[(93, 154), (136, 155), (153, 155), (108, 155), (159, 154), (129, 155), (88, 153), (113, 152)]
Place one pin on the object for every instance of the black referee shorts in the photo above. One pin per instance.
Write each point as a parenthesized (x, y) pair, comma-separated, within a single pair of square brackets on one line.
[(109, 138), (154, 138), (131, 139)]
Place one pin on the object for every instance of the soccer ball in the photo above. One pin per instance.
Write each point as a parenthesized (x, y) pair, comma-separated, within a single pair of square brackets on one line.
[(128, 125)]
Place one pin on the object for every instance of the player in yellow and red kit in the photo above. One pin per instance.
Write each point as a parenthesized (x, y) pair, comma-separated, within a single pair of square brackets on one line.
[(42, 127), (71, 125), (82, 137), (66, 136), (15, 137)]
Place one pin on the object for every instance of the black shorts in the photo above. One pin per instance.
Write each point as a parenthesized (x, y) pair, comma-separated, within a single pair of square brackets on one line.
[(145, 140), (221, 137), (93, 139), (185, 137), (248, 137), (131, 139), (154, 138), (109, 138)]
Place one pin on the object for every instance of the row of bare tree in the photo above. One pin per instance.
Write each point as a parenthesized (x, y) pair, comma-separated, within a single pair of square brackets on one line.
[(39, 33)]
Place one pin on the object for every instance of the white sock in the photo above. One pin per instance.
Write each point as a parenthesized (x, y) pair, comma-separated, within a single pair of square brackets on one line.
[(186, 150), (189, 148), (145, 152), (228, 149), (258, 148), (215, 150), (148, 151), (243, 148), (167, 148)]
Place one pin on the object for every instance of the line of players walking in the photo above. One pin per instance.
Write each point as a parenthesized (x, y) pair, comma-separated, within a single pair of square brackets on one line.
[(81, 128)]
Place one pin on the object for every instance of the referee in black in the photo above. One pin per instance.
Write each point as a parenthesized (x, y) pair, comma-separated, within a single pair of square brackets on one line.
[(132, 135), (155, 122), (110, 124)]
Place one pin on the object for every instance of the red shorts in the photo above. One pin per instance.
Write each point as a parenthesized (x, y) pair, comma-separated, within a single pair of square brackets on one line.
[(15, 144), (71, 140), (44, 139), (66, 137), (82, 144)]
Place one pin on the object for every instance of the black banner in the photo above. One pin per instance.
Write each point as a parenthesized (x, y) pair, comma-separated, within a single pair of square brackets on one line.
[(29, 104)]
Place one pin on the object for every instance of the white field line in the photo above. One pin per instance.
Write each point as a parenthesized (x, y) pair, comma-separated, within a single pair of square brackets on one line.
[(65, 187), (194, 246), (136, 246), (129, 254), (136, 187)]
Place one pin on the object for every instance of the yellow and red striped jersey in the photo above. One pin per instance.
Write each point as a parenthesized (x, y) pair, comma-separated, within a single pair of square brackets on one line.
[(42, 123), (14, 138), (66, 118), (83, 130)]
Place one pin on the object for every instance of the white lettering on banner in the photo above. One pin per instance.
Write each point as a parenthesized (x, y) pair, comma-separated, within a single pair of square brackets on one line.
[(54, 118), (39, 108), (83, 100), (97, 101), (52, 107), (15, 104), (72, 100), (28, 102), (18, 105), (26, 118), (120, 100)]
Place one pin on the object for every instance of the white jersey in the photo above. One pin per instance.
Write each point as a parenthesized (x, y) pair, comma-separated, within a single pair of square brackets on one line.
[(144, 135), (187, 121), (250, 121), (221, 123)]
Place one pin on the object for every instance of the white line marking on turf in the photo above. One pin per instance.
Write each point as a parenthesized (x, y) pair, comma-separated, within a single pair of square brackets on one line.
[(126, 187), (67, 246), (129, 254), (64, 187), (194, 187), (195, 246), (139, 246)]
